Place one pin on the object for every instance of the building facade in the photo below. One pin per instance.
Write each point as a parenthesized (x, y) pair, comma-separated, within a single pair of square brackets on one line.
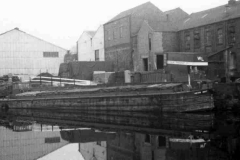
[(214, 32), (90, 45), (25, 55), (137, 38)]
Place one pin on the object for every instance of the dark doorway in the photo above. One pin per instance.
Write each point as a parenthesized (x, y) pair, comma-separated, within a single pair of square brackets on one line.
[(145, 64), (160, 60)]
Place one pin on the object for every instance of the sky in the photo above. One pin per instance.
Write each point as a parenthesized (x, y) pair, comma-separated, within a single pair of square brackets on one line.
[(62, 22)]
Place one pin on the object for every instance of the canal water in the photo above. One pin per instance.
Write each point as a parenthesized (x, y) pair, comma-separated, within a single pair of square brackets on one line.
[(54, 134)]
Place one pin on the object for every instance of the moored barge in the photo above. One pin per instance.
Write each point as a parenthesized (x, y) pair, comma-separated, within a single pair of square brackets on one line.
[(168, 97)]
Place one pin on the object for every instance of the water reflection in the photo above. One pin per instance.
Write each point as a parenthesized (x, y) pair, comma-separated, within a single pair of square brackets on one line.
[(121, 135)]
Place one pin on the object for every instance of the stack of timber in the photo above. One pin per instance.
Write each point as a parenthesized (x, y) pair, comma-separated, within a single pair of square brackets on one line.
[(168, 97)]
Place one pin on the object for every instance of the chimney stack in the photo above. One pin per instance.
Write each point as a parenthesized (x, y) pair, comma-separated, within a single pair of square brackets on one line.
[(232, 2)]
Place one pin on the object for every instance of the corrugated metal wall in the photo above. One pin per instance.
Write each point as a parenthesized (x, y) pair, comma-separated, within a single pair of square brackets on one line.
[(21, 53)]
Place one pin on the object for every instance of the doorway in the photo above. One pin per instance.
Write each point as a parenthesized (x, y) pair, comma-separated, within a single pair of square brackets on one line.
[(160, 61), (145, 64)]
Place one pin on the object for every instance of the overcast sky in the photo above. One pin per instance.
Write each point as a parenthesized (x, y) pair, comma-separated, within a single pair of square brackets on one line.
[(61, 22)]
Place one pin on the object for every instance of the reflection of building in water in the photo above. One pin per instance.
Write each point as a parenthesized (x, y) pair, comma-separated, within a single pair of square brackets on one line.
[(28, 145), (137, 146), (92, 143), (94, 150), (131, 146)]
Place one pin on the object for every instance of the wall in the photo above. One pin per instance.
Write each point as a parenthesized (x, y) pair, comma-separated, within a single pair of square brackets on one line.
[(143, 47), (85, 52), (118, 48), (214, 47), (98, 43), (21, 53)]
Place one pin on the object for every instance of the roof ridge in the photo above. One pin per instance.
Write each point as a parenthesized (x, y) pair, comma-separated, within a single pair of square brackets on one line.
[(17, 29)]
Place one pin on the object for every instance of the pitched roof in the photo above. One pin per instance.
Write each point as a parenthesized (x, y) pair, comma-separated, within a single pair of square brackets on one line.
[(210, 16), (135, 10), (176, 14), (17, 29)]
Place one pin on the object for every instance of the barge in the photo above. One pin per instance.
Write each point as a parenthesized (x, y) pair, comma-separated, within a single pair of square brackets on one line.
[(168, 97)]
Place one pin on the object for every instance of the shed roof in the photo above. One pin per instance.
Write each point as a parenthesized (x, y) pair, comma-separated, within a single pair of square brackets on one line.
[(213, 15), (17, 29), (91, 33)]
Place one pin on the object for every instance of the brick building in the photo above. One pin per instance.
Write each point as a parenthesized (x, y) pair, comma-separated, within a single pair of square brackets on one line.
[(132, 37), (214, 32)]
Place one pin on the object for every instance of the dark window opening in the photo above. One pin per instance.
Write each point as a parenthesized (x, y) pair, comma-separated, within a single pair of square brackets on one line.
[(208, 37), (149, 43), (187, 41), (220, 36), (97, 55), (145, 64), (50, 54), (121, 31), (197, 43), (160, 61), (231, 35), (147, 138)]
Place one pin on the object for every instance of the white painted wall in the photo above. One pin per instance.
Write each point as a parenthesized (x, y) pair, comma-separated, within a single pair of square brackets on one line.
[(85, 52), (98, 43), (88, 44), (22, 54)]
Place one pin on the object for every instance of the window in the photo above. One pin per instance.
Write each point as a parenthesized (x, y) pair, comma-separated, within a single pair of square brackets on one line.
[(231, 34), (149, 43), (147, 138), (52, 140), (208, 36), (219, 36), (50, 54), (197, 42), (187, 41), (115, 33), (108, 35), (97, 55), (121, 31)]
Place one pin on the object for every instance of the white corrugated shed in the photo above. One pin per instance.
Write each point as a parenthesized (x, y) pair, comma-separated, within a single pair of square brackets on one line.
[(23, 54)]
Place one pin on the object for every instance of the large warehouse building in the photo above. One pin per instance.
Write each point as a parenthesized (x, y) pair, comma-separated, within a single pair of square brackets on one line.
[(25, 55)]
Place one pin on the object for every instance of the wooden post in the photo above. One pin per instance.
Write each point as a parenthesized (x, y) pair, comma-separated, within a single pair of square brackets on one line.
[(51, 82), (74, 81)]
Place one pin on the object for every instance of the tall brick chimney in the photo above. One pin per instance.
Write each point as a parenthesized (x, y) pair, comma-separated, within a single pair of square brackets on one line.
[(232, 2)]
